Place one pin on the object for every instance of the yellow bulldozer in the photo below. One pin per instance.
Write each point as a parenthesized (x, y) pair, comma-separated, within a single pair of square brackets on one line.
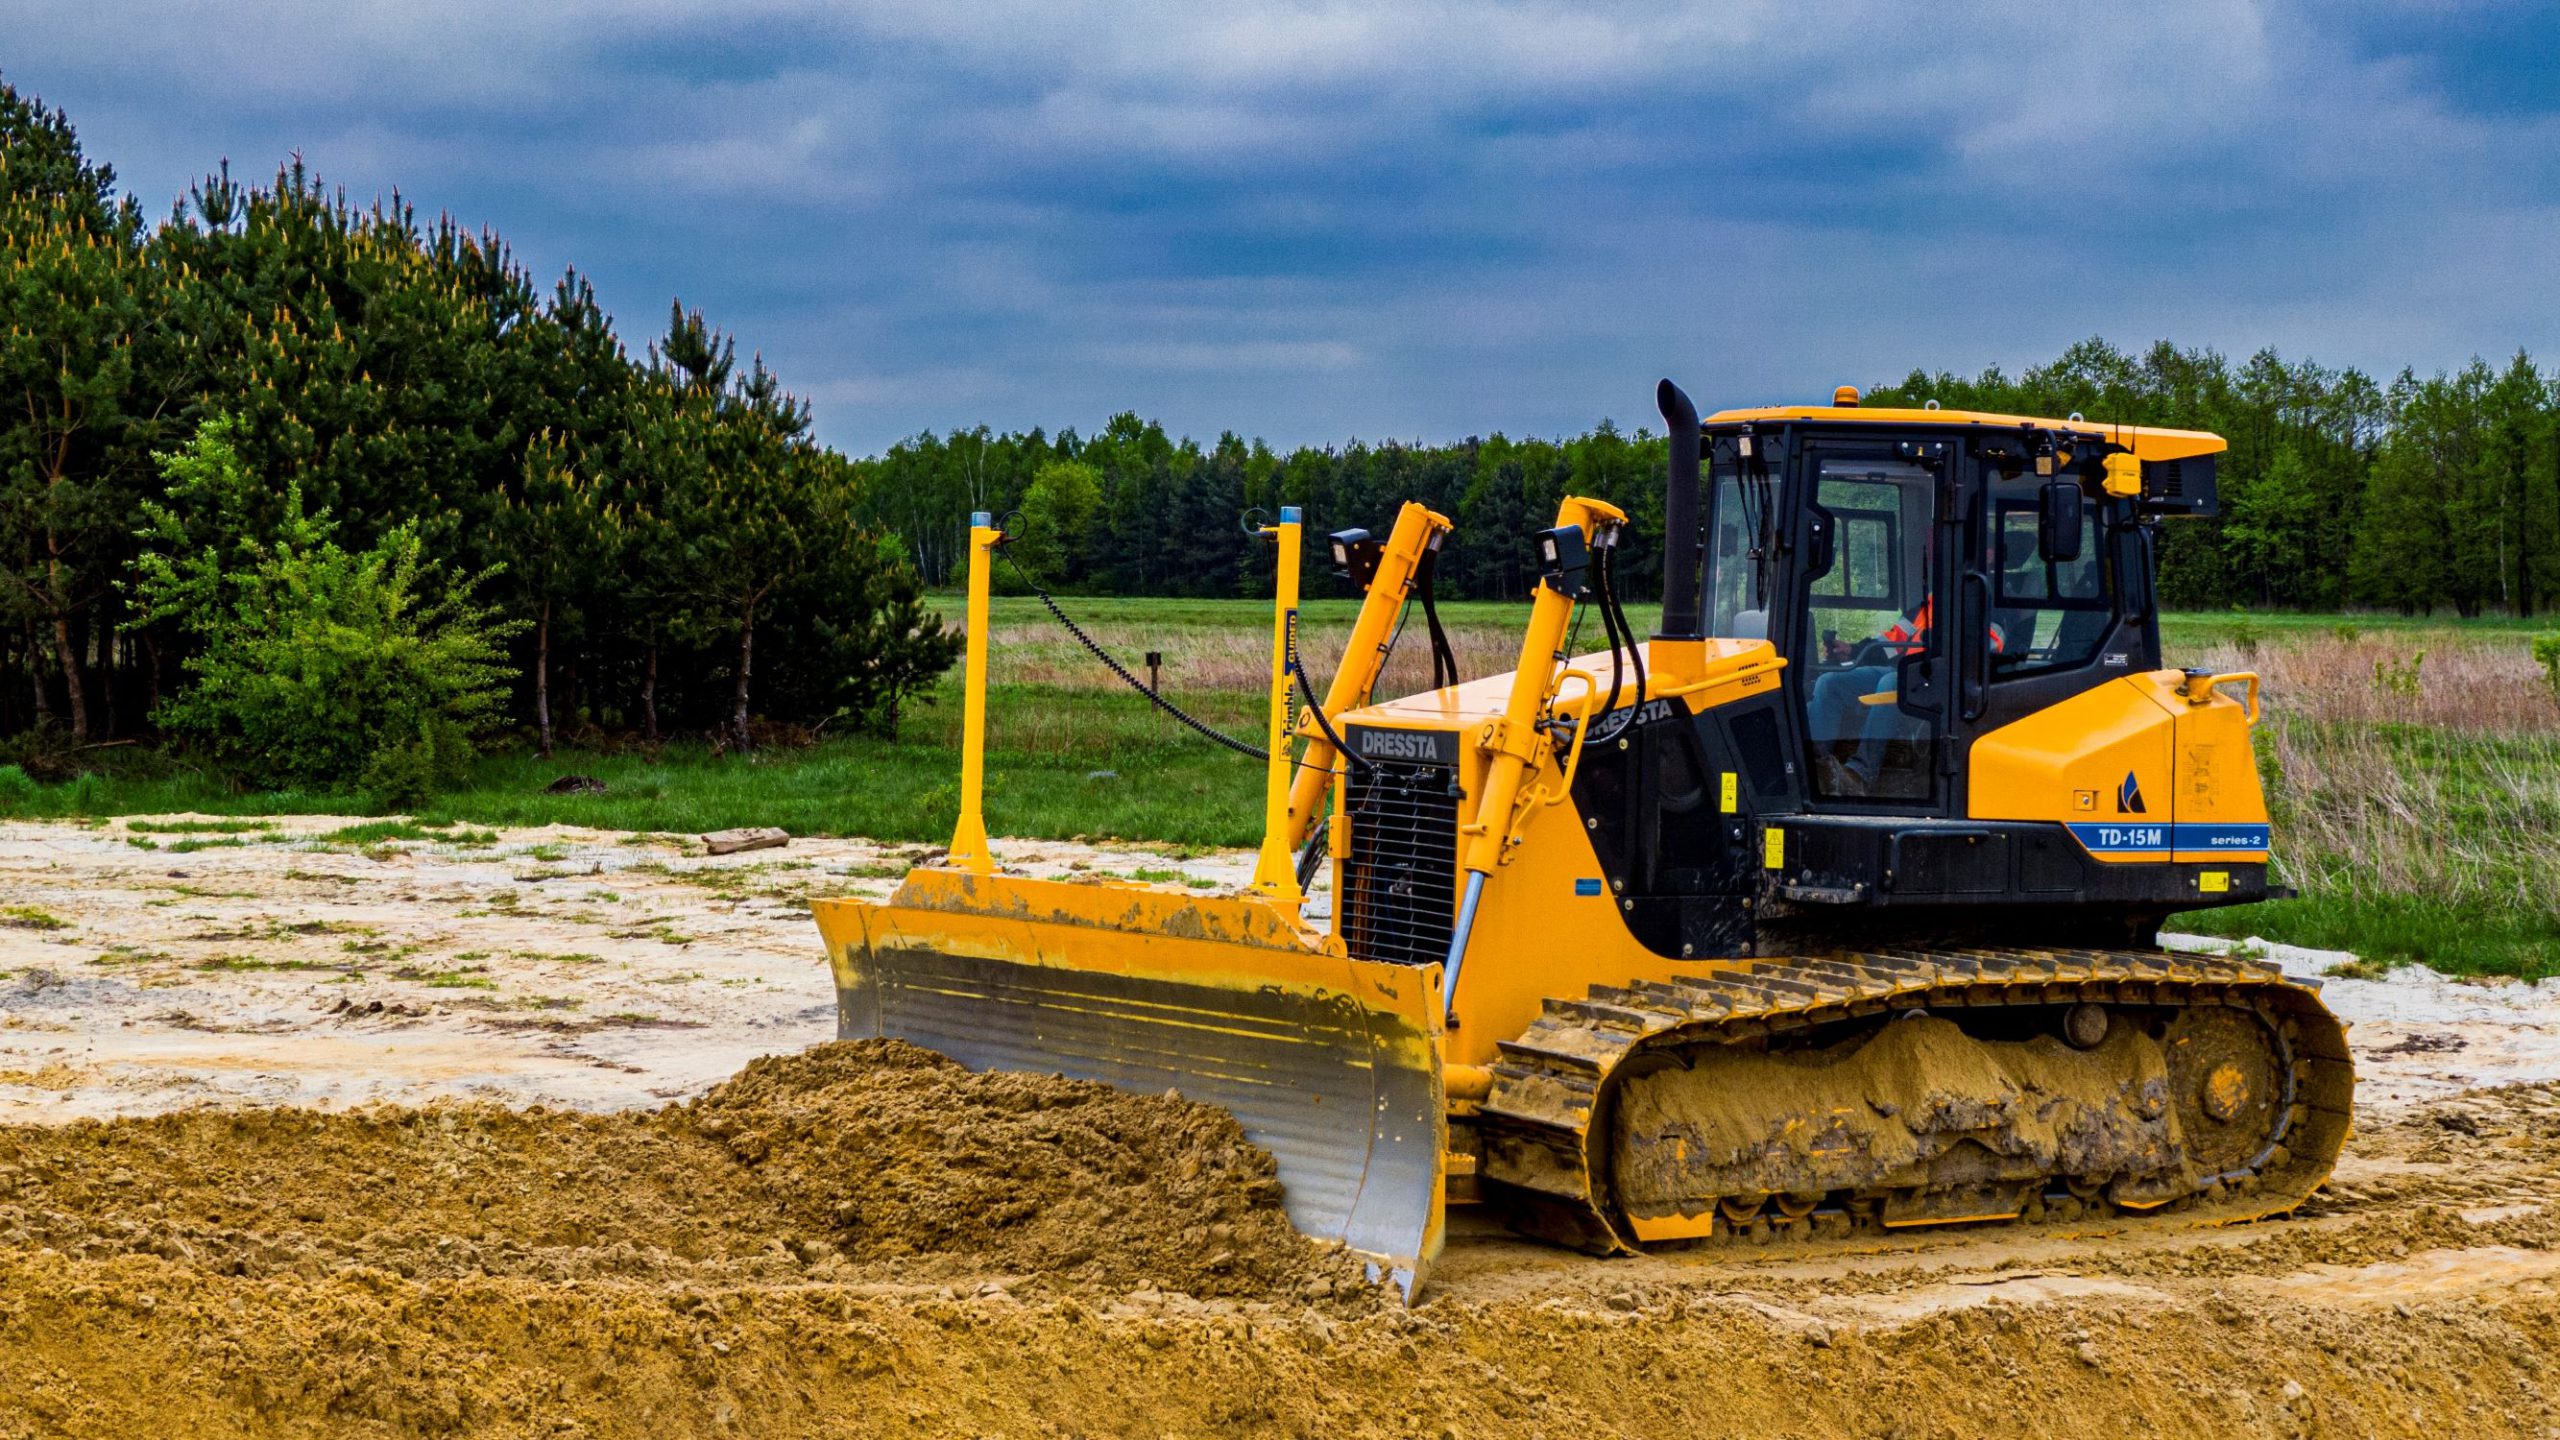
[(1831, 907)]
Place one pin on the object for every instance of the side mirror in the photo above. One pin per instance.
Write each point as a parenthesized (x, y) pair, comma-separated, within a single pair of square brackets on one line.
[(2058, 521), (1822, 543)]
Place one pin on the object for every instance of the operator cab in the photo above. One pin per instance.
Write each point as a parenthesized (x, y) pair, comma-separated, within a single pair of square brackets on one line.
[(1931, 575)]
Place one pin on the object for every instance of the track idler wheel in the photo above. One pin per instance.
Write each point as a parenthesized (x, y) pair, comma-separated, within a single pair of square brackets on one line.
[(2227, 1085)]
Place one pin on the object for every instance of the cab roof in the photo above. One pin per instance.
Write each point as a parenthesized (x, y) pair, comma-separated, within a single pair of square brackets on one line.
[(2147, 442)]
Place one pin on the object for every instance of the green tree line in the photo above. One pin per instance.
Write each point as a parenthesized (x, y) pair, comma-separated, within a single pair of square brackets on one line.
[(659, 542), (2433, 494), (2425, 494), (1130, 510)]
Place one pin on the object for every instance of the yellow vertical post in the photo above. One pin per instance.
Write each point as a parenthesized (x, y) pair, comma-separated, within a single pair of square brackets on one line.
[(1276, 873), (969, 838)]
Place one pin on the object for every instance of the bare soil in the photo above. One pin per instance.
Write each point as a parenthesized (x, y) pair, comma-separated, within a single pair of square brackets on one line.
[(579, 968), (273, 1219)]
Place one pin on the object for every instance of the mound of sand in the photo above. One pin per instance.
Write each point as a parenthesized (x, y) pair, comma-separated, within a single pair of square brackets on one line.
[(834, 1161)]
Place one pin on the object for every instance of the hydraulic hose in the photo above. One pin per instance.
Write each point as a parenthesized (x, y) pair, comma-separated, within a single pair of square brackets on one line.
[(1444, 660), (1613, 616)]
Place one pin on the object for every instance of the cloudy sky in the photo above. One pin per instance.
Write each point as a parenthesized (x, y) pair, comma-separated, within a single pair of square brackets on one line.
[(1323, 220)]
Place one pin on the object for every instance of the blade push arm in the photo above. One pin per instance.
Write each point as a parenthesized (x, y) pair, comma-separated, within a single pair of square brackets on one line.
[(1417, 529), (1513, 742)]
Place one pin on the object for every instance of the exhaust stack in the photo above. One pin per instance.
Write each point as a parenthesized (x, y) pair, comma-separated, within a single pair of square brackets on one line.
[(1680, 549)]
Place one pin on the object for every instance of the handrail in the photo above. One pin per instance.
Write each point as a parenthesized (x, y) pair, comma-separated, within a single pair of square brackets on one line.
[(1745, 671), (1581, 728), (1976, 686), (2198, 688)]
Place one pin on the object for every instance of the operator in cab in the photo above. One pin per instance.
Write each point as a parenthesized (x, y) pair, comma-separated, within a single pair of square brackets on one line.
[(1841, 708)]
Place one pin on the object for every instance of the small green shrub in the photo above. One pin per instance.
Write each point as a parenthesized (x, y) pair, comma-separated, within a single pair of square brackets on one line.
[(2244, 632), (2400, 677), (405, 774), (17, 790), (2546, 653), (46, 750), (371, 670)]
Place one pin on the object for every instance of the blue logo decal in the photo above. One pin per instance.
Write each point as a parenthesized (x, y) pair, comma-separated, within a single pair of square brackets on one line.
[(1586, 887), (2129, 796)]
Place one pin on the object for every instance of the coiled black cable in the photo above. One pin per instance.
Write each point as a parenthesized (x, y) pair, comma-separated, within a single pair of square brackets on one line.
[(1198, 726)]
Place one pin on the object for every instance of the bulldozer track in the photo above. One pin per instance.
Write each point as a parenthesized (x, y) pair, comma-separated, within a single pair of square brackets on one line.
[(1545, 1125)]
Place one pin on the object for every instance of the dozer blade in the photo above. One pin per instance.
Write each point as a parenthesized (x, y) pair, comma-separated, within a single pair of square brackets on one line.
[(1331, 1064)]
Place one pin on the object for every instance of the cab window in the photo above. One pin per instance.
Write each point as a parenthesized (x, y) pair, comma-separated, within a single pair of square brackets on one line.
[(2051, 614), (1736, 605)]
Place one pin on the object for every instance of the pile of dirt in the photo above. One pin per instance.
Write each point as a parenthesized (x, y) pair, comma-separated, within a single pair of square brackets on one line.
[(829, 1163), (891, 1151)]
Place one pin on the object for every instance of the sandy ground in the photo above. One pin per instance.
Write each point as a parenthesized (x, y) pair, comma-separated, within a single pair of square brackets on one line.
[(579, 968), (430, 1274), (596, 970)]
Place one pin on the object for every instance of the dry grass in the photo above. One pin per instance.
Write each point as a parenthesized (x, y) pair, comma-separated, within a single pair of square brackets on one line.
[(2426, 776), (2416, 801), (1223, 649), (2460, 684), (2460, 822)]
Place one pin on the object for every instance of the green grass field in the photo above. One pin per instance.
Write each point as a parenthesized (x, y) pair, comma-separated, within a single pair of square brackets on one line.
[(2416, 800)]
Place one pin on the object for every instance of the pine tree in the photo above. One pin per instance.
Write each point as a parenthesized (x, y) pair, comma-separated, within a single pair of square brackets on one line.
[(553, 533), (76, 423)]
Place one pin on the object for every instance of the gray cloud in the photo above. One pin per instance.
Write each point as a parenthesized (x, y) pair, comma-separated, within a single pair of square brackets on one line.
[(1317, 220)]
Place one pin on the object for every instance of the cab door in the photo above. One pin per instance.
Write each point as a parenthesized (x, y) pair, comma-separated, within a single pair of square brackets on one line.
[(1863, 636)]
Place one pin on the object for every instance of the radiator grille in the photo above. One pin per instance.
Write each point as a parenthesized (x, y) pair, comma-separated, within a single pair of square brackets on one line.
[(1400, 882)]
